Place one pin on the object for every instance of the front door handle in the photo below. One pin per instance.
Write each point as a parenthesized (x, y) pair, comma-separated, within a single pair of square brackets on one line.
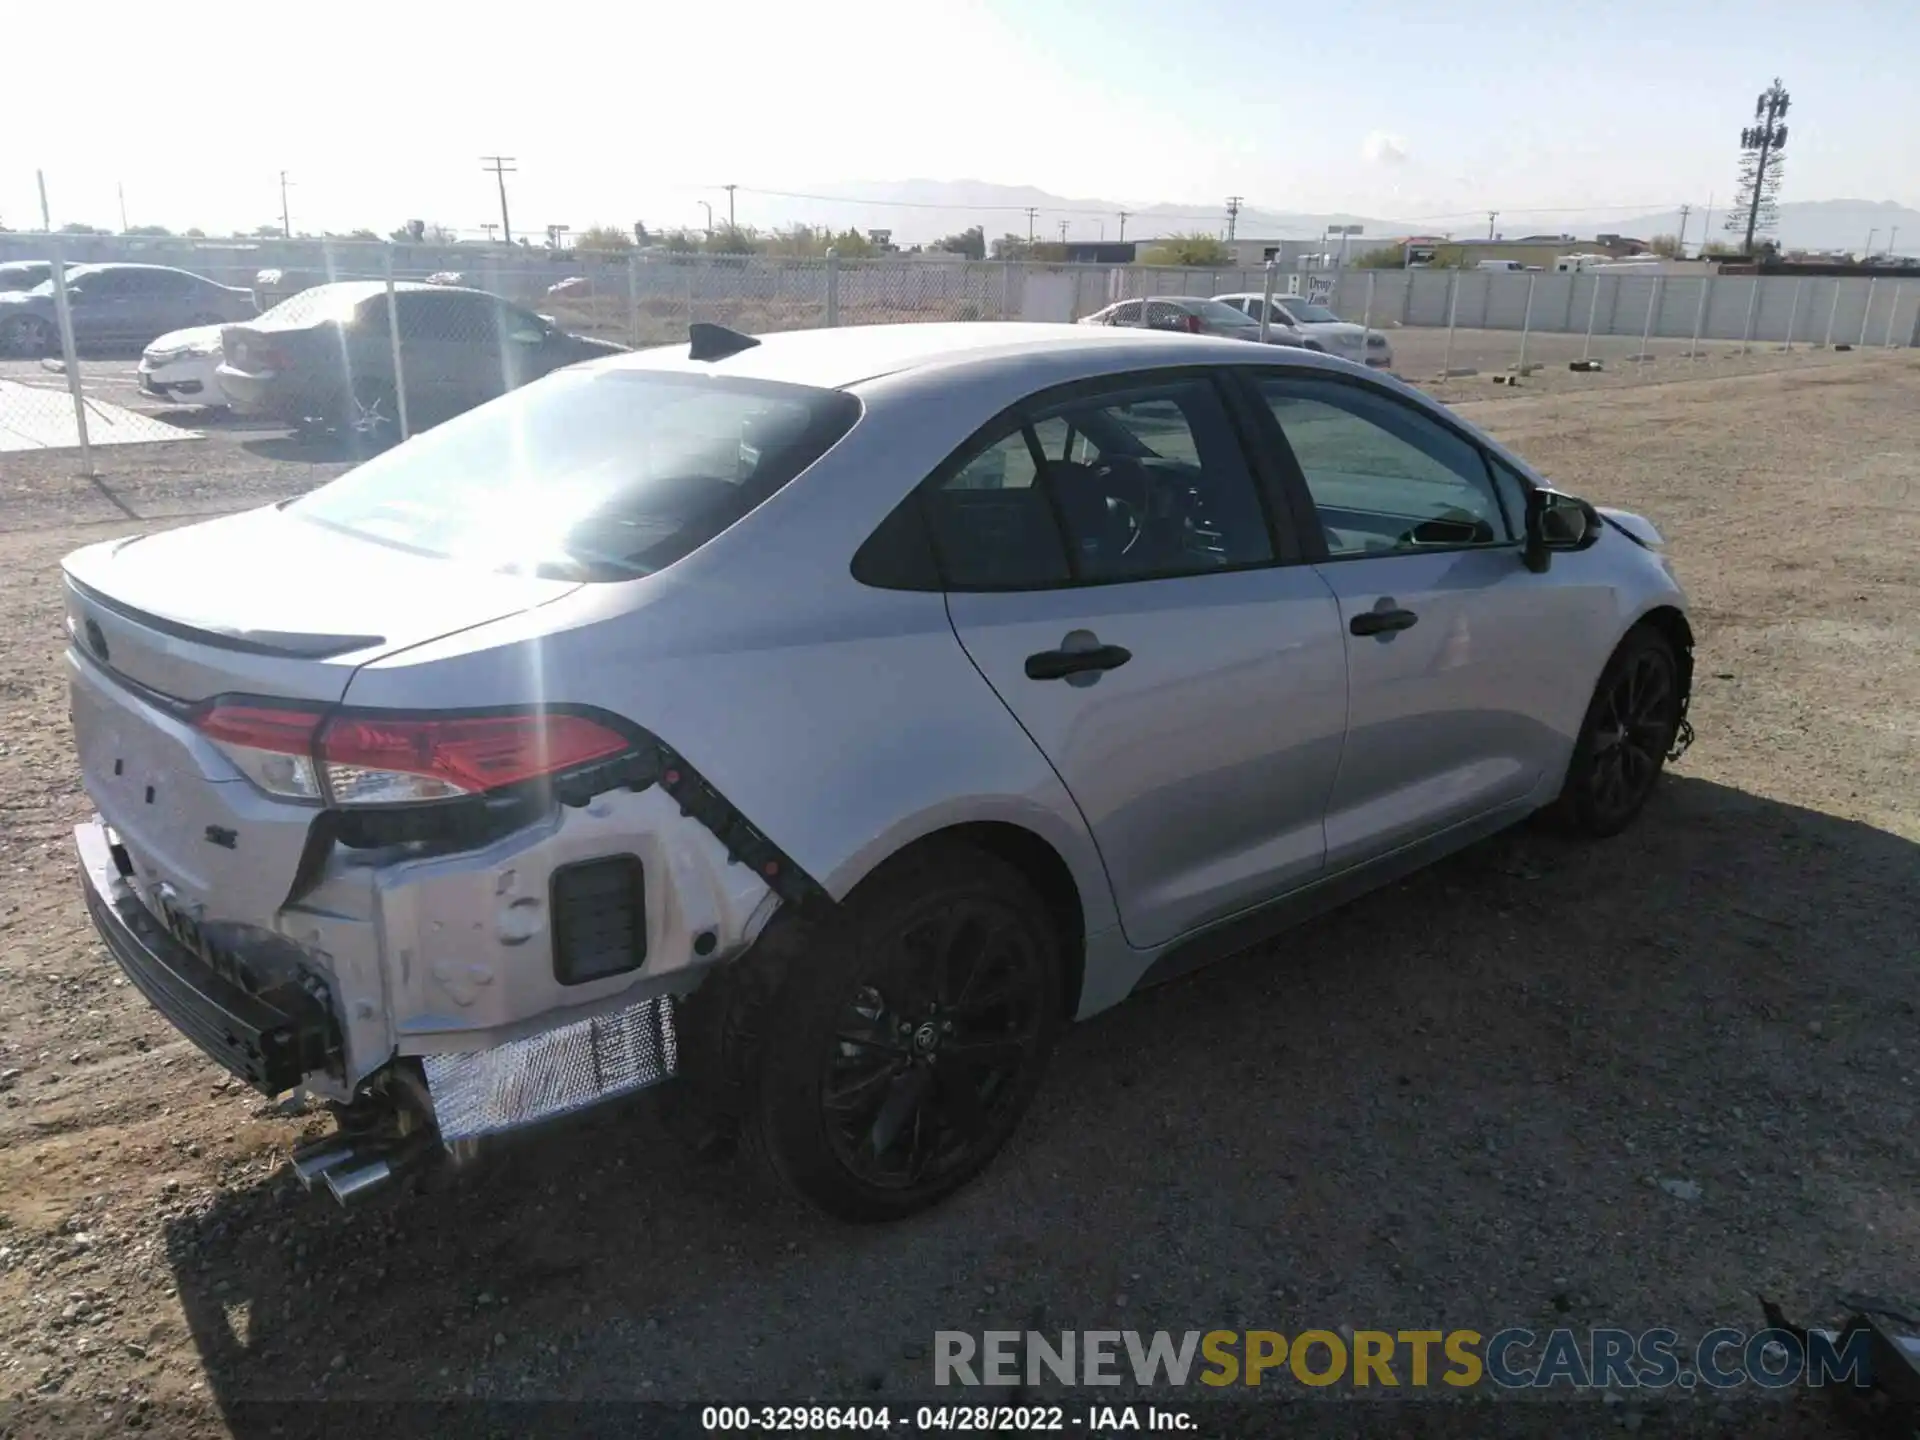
[(1059, 664), (1382, 622)]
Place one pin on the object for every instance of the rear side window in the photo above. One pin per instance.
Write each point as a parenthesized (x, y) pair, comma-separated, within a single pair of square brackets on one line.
[(1140, 483), (588, 475), (449, 316)]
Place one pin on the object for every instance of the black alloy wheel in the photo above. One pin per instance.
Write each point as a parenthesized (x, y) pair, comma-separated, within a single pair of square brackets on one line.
[(1630, 727), (902, 1050)]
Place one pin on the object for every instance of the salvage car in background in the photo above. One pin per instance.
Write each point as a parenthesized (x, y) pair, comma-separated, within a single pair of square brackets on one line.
[(830, 718), (117, 305), (182, 367), (325, 357), (17, 276), (1181, 313), (1316, 327)]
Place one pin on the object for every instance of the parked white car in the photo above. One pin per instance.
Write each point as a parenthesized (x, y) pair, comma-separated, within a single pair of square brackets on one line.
[(1316, 327), (179, 367)]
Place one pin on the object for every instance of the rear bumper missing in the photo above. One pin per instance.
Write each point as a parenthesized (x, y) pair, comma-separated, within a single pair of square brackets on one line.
[(270, 1040)]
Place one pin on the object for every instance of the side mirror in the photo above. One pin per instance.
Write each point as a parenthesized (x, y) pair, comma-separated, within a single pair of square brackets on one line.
[(1557, 521)]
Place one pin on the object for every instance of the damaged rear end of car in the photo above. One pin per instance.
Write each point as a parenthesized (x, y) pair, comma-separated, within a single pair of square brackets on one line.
[(366, 828)]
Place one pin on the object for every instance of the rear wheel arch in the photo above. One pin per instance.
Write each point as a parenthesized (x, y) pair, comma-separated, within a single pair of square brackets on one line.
[(1052, 880)]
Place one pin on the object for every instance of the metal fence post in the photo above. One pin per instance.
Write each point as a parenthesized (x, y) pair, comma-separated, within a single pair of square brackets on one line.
[(1646, 331), (1453, 312), (1867, 310), (1366, 315), (1006, 289), (70, 358), (833, 287), (1832, 311), (1700, 316), (633, 299), (1753, 303), (1893, 312), (1266, 302), (1593, 309), (1794, 314), (1526, 324), (393, 335)]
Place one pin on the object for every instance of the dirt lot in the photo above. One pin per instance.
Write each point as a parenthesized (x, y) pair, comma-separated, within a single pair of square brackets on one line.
[(1450, 1106)]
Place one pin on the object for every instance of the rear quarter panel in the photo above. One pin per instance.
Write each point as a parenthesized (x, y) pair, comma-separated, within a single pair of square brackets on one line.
[(843, 721)]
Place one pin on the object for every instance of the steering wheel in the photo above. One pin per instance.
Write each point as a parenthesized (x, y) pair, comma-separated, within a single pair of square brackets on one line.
[(1135, 515)]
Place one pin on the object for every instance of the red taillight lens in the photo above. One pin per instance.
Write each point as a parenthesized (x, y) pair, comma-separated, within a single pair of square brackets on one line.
[(465, 754), (376, 759), (258, 727)]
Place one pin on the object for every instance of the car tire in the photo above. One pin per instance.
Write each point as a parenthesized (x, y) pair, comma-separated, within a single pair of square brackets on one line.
[(1624, 739), (895, 1057), (369, 416), (26, 337)]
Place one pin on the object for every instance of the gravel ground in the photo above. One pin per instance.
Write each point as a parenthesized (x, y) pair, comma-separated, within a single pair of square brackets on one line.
[(1453, 1105)]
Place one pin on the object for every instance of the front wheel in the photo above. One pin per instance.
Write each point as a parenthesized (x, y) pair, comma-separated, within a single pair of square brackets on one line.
[(1629, 728), (901, 1054)]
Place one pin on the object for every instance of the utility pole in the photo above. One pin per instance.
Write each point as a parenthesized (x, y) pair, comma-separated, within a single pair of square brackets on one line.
[(1892, 235), (1492, 215), (1685, 210), (730, 189), (1123, 223), (1063, 230), (1032, 211), (1761, 145), (1233, 215), (286, 220), (46, 216), (501, 166)]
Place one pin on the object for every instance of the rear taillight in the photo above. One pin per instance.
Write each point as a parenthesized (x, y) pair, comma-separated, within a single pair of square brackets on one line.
[(374, 758)]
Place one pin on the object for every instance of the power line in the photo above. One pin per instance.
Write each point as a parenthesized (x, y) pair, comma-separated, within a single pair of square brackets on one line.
[(501, 166)]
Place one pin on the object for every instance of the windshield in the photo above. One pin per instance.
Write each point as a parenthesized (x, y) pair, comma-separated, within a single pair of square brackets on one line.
[(1307, 314), (588, 475)]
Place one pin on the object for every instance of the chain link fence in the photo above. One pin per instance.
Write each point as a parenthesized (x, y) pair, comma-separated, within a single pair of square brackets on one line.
[(410, 340)]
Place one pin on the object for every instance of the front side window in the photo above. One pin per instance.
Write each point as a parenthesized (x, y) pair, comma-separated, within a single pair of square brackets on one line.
[(1384, 478), (589, 475), (1133, 484)]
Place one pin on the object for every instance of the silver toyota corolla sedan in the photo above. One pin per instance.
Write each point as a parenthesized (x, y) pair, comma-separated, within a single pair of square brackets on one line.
[(822, 720)]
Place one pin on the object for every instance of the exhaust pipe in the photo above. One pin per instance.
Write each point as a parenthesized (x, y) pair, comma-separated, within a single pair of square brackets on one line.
[(350, 1168), (346, 1183)]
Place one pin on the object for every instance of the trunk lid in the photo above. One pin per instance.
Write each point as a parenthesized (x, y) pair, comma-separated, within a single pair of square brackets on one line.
[(266, 603)]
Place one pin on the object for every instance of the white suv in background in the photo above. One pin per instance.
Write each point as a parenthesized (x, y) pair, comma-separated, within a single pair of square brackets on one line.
[(1317, 328)]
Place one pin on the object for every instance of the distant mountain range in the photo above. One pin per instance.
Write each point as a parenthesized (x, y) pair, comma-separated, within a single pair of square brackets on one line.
[(921, 210)]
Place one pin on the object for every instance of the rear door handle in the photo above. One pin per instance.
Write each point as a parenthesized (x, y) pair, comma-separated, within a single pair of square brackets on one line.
[(1382, 622), (1059, 664)]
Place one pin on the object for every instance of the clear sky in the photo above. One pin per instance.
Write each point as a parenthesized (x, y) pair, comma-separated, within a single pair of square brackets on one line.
[(615, 111)]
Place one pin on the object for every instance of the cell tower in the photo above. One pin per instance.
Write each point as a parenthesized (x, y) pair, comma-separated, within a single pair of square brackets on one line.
[(1762, 155)]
